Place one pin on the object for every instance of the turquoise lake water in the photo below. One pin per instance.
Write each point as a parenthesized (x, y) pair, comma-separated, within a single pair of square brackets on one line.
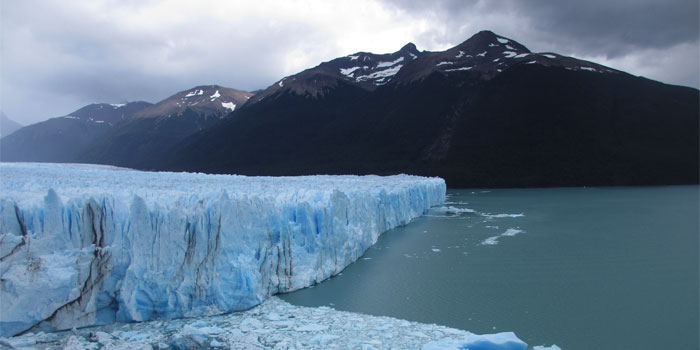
[(583, 268)]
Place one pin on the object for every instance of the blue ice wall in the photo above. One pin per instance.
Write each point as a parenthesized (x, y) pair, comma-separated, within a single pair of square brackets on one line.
[(84, 245)]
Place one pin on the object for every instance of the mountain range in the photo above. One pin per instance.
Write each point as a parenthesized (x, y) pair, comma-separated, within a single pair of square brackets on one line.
[(60, 139), (485, 113), (151, 132)]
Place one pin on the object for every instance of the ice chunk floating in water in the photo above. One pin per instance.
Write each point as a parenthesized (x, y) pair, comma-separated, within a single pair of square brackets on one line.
[(494, 240), (83, 245), (542, 347), (498, 341)]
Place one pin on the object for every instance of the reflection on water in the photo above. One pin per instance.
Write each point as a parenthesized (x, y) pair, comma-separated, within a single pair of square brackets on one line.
[(585, 268)]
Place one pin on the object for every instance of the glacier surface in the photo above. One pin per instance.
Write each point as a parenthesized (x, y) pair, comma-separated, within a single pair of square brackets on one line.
[(85, 245)]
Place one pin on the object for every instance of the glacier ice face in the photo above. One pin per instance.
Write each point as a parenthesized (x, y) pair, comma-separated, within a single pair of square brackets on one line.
[(84, 245)]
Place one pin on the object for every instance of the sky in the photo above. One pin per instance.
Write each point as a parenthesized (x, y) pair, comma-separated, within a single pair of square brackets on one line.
[(57, 56)]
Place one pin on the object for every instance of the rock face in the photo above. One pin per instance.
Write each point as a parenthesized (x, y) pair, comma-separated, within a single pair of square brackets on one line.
[(87, 245)]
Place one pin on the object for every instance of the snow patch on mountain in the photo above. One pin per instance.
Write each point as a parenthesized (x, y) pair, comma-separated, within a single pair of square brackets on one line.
[(389, 64), (387, 73), (229, 105), (348, 72), (215, 96), (195, 93), (458, 69)]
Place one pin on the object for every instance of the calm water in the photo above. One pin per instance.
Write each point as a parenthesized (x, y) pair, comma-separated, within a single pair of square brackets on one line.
[(593, 268)]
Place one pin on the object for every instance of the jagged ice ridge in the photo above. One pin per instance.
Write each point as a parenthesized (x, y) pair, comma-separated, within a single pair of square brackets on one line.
[(85, 245)]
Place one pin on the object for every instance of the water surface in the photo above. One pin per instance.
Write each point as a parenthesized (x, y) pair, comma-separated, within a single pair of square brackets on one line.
[(585, 268)]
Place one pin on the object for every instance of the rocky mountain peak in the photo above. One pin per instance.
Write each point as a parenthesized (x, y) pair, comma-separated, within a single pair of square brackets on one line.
[(205, 100), (410, 47), (487, 54)]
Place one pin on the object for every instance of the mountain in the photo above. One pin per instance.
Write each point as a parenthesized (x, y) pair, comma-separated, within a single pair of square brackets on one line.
[(486, 113), (363, 69), (7, 125), (60, 139), (152, 131)]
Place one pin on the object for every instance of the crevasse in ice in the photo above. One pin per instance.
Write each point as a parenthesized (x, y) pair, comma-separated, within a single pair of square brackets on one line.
[(84, 245)]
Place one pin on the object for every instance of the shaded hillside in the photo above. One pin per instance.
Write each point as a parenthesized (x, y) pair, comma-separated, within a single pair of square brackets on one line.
[(61, 139), (153, 131), (502, 117)]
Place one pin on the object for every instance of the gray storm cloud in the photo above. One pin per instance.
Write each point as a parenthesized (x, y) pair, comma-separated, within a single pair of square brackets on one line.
[(611, 28), (58, 56)]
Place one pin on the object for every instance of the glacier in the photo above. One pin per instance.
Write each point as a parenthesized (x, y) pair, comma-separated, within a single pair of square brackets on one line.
[(84, 245)]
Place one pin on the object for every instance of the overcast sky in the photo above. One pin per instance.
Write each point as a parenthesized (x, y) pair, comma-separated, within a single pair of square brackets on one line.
[(57, 56)]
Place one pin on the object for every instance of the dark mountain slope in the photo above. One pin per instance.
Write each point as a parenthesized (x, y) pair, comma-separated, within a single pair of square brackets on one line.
[(502, 117), (515, 118), (148, 136), (60, 139), (539, 126), (488, 134)]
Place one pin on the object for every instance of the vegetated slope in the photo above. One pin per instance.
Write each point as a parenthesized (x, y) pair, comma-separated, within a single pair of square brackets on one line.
[(487, 113), (149, 135), (60, 139)]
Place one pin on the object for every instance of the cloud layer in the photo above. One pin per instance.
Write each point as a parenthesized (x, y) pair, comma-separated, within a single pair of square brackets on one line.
[(58, 56)]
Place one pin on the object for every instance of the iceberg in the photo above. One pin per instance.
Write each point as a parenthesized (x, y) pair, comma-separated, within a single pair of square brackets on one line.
[(84, 245), (498, 341)]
